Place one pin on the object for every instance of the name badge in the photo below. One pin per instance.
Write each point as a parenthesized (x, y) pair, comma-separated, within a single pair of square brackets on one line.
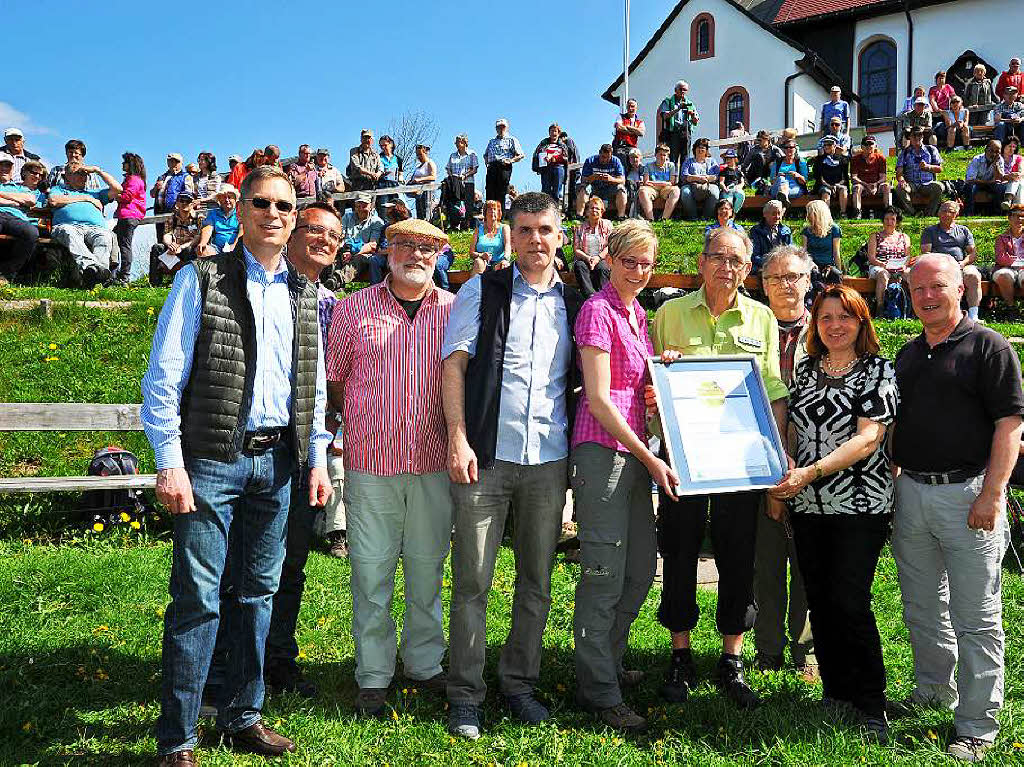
[(750, 341)]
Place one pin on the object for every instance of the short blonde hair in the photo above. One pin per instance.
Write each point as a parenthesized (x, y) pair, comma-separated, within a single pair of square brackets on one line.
[(632, 234), (819, 218)]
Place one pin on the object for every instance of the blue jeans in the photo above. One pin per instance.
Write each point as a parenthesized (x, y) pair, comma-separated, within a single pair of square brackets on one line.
[(444, 263), (783, 187), (551, 179), (248, 498)]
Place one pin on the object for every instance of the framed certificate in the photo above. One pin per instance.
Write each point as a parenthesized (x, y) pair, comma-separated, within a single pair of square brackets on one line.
[(717, 423)]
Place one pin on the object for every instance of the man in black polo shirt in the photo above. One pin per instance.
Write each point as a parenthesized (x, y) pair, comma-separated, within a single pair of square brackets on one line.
[(956, 440)]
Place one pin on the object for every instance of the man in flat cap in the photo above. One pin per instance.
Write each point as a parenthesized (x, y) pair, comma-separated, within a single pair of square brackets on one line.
[(384, 377)]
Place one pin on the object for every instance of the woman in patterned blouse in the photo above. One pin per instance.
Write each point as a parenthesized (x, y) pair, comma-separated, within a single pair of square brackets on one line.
[(842, 401)]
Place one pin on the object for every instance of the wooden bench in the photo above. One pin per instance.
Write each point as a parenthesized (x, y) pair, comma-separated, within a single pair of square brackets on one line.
[(71, 417)]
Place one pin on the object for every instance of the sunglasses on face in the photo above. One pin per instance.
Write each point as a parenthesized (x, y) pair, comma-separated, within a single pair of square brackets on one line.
[(262, 203)]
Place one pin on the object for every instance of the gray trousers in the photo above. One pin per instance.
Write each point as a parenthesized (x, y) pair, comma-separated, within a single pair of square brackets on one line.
[(619, 557), (951, 582), (537, 496), (89, 245), (774, 550), (407, 516)]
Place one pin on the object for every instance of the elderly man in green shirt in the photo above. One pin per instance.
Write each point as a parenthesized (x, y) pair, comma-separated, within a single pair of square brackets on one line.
[(715, 320)]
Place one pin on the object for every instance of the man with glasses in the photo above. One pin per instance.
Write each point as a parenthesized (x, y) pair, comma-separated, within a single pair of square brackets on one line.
[(16, 199), (676, 118), (233, 406), (834, 133), (502, 152), (384, 367), (716, 319)]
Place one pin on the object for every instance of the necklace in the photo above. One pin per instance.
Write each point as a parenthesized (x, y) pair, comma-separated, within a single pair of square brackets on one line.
[(836, 372)]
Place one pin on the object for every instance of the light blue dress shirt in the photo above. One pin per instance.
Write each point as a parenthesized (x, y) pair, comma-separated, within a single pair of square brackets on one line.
[(170, 363), (532, 419)]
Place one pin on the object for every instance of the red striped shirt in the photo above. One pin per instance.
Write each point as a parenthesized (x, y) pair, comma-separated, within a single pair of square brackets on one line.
[(391, 372)]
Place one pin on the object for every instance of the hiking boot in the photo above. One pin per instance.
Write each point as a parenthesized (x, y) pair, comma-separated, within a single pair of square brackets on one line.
[(527, 708), (876, 729), (464, 720), (437, 684), (680, 679), (630, 677), (622, 718), (338, 544), (178, 759), (968, 749), (371, 701), (730, 679), (766, 662), (286, 677)]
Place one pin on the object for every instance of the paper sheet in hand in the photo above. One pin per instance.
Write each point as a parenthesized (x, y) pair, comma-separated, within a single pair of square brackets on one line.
[(169, 260)]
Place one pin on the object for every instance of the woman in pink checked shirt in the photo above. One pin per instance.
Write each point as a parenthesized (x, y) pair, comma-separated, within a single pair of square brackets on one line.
[(611, 470)]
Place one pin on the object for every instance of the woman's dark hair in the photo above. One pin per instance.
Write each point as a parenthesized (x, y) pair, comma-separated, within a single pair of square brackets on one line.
[(251, 162), (211, 161), (721, 204), (867, 339), (136, 167), (892, 210)]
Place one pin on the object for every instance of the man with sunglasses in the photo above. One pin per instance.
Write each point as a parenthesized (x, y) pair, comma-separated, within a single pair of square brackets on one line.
[(233, 406), (16, 199), (384, 368)]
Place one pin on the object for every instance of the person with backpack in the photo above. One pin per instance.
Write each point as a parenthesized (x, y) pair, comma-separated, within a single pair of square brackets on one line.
[(887, 251)]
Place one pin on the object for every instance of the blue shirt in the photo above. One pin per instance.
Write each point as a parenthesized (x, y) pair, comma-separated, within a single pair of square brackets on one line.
[(910, 161), (170, 363), (594, 165), (691, 167), (225, 228), (820, 248), (532, 421), (79, 212), (502, 149), (14, 210), (654, 173), (830, 109)]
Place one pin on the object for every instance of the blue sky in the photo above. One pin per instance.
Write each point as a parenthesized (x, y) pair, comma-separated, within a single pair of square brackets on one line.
[(226, 76)]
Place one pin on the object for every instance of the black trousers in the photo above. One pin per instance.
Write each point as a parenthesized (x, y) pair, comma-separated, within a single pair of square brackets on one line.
[(681, 525), (838, 554), (19, 251), (678, 147), (498, 176), (588, 280), (124, 230)]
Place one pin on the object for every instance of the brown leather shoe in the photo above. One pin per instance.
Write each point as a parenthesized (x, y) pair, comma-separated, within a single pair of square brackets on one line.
[(178, 759), (259, 739)]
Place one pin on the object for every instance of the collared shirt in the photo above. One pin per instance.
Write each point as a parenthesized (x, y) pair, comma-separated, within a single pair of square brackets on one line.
[(390, 369), (980, 168), (792, 346), (365, 231), (830, 109), (368, 161), (19, 161), (655, 172), (748, 327), (506, 148), (910, 160), (594, 165), (911, 119), (692, 167), (764, 238), (56, 177), (170, 363), (592, 239), (871, 169), (532, 418), (1009, 248), (603, 322), (459, 164), (328, 180), (303, 178), (955, 242)]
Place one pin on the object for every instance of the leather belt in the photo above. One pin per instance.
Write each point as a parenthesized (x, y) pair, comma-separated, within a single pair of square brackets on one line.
[(942, 478), (260, 441)]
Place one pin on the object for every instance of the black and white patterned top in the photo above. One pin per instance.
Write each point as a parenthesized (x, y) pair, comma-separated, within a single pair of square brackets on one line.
[(825, 412)]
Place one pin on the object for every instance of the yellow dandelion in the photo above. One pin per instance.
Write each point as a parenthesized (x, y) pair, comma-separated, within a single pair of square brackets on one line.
[(302, 654), (150, 311), (27, 727), (405, 691), (136, 525), (51, 359), (1018, 745), (125, 516), (394, 715), (932, 735), (53, 347), (601, 739)]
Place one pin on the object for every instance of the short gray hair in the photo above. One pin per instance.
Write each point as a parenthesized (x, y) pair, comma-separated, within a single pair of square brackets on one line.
[(683, 84), (788, 251), (773, 204), (462, 137), (724, 231)]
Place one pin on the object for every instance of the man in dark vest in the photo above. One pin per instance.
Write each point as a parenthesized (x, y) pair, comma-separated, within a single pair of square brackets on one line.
[(233, 406), (509, 372)]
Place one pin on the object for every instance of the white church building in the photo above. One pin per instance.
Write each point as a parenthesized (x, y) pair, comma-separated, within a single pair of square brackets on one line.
[(770, 63)]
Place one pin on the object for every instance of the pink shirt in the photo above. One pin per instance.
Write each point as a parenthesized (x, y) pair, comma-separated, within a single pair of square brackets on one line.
[(941, 96), (391, 372), (131, 203), (603, 322)]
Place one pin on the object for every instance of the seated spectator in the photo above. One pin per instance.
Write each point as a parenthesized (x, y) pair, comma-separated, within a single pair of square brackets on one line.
[(590, 249), (730, 180), (78, 223), (364, 165), (328, 178), (1009, 116), (916, 168), (789, 174), (888, 251), (131, 209), (954, 122), (634, 177), (75, 151), (835, 108), (1009, 256), (604, 177), (978, 92), (16, 200), (939, 97), (985, 172), (425, 172), (461, 168), (272, 156), (758, 165), (362, 229), (209, 180), (242, 169), (822, 237), (956, 240), (698, 179), (725, 218), (302, 173), (14, 145), (660, 182), (768, 234), (169, 185), (743, 147), (221, 229), (550, 160), (192, 177), (1012, 77), (919, 116), (1013, 174), (834, 133), (909, 101), (178, 244), (868, 172), (832, 174), (492, 241), (629, 129)]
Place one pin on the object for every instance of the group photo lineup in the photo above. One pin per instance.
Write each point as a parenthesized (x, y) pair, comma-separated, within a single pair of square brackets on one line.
[(603, 384)]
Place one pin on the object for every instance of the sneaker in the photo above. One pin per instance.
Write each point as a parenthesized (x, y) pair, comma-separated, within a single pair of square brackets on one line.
[(527, 708), (730, 679), (968, 749), (286, 677), (1005, 205), (680, 679), (464, 720), (630, 677), (338, 544), (876, 729), (371, 701), (623, 718), (437, 684), (766, 662)]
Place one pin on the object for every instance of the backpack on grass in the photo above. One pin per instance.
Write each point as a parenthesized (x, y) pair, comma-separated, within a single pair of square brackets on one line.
[(100, 510), (894, 302)]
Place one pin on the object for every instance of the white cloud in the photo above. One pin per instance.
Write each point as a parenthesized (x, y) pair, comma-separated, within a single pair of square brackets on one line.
[(9, 116)]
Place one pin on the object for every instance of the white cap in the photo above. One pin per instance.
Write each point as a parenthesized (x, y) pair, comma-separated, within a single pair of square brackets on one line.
[(12, 131)]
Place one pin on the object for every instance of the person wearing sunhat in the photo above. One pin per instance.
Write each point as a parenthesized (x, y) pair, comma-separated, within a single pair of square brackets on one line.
[(14, 145), (384, 377), (221, 228)]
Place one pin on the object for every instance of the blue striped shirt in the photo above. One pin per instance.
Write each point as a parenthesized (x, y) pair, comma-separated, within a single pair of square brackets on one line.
[(170, 363), (502, 149), (463, 163)]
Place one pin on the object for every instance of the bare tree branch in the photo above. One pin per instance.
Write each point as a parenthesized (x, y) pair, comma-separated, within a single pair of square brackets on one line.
[(410, 128)]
